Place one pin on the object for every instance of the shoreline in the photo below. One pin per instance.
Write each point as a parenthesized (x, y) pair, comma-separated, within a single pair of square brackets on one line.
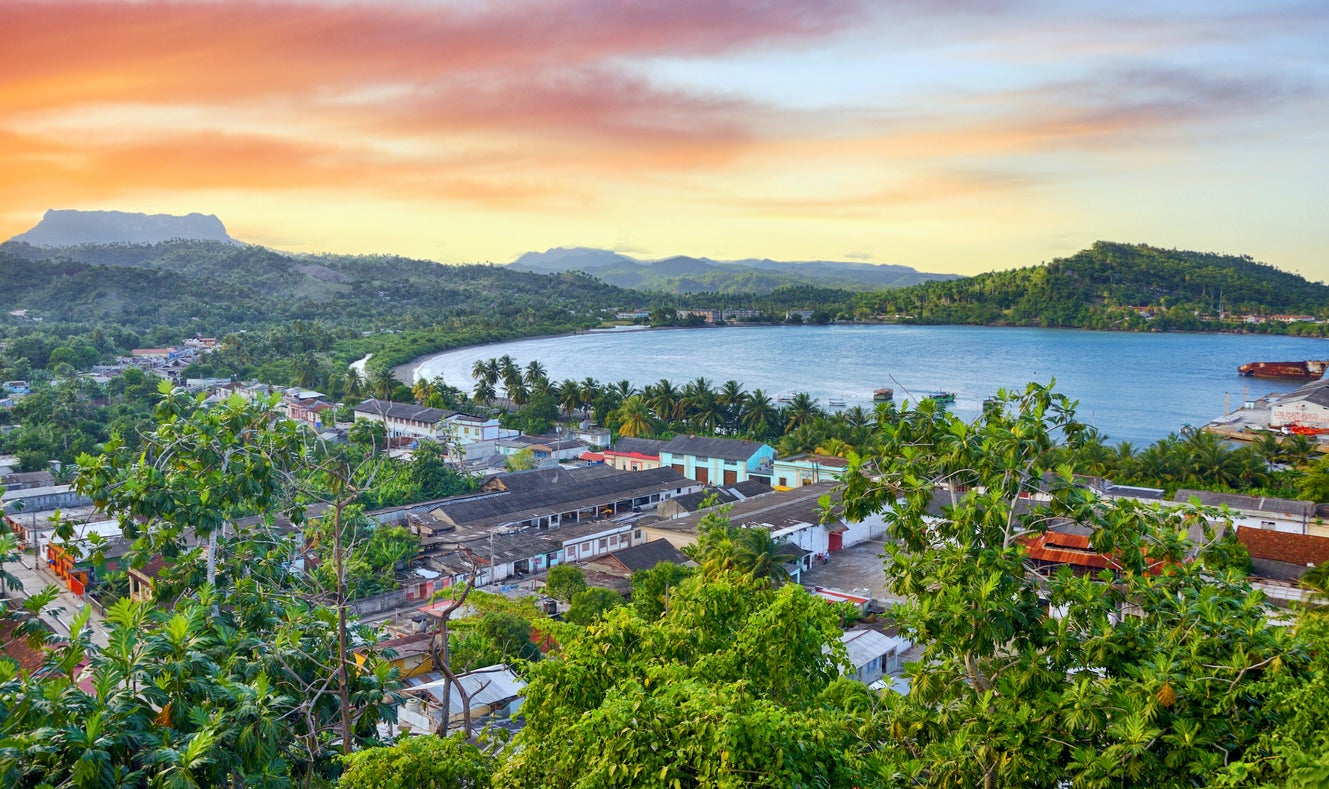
[(406, 373)]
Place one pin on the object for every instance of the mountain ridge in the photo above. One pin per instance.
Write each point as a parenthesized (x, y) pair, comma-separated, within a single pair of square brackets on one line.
[(689, 274), (72, 227)]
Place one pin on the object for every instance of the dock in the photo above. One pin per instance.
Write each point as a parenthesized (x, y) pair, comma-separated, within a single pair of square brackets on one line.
[(1251, 421)]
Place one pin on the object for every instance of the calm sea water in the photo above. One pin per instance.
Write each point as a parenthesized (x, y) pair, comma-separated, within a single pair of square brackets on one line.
[(1133, 387)]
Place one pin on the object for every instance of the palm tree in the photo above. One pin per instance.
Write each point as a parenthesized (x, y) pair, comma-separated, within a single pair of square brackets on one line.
[(834, 447), (507, 367), (588, 391), (760, 414), (534, 372), (484, 392), (541, 387), (732, 397), (354, 385), (479, 369), (383, 383), (518, 392), (569, 396), (856, 417), (802, 409), (763, 557), (704, 410), (663, 400), (1296, 450), (624, 389), (634, 418), (493, 371), (422, 391)]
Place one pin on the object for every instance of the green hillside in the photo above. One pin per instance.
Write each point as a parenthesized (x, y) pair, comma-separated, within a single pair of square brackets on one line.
[(1100, 287), (396, 307)]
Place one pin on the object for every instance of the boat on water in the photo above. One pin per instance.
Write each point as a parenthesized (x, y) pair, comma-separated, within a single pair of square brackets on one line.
[(784, 399), (883, 395), (942, 398), (1312, 368), (836, 402)]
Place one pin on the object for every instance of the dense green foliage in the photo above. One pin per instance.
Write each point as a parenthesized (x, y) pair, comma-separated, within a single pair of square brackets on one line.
[(1147, 673), (730, 687), (1100, 287), (1163, 669), (418, 763)]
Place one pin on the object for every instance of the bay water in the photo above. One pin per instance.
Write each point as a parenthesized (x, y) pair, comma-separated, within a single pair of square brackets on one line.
[(1136, 387)]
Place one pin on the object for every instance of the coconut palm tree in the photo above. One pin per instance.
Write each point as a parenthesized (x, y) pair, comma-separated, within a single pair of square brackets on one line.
[(479, 369), (801, 410), (856, 417), (624, 389), (588, 391), (484, 392), (704, 410), (534, 372), (663, 400), (422, 391), (634, 418), (760, 415), (354, 385), (569, 396), (762, 556), (518, 392), (834, 447), (383, 383), (732, 397)]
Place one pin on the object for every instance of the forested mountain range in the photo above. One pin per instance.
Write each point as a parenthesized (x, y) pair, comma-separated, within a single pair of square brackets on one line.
[(230, 286), (1106, 286), (683, 274)]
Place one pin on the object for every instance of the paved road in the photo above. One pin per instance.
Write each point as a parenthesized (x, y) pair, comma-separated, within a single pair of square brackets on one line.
[(853, 569), (34, 576)]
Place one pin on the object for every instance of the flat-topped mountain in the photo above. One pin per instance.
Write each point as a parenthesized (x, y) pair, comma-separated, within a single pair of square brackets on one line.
[(67, 228), (684, 274)]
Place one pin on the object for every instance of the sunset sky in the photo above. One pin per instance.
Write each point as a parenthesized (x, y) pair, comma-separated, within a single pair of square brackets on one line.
[(949, 135)]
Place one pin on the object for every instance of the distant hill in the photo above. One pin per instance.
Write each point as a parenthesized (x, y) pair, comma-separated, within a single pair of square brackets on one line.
[(1106, 286), (220, 286), (71, 228), (683, 274)]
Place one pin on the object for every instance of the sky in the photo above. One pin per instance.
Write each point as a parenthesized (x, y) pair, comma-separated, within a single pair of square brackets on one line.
[(953, 136)]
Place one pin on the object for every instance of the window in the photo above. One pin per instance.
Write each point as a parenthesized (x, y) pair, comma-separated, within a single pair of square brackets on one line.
[(701, 459), (637, 534), (1266, 524), (604, 543)]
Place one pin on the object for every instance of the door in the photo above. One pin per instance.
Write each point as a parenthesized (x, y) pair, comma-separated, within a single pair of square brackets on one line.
[(837, 541), (730, 477), (703, 475)]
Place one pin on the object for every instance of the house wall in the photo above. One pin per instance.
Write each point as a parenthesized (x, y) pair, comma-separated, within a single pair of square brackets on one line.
[(601, 544), (871, 528), (712, 470), (1300, 412), (796, 473), (631, 462)]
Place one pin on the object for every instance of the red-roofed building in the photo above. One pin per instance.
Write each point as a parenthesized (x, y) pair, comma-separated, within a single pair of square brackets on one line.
[(634, 454)]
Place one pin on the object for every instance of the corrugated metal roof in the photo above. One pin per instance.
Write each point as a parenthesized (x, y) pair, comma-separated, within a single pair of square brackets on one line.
[(1237, 501), (706, 446), (862, 646), (485, 686)]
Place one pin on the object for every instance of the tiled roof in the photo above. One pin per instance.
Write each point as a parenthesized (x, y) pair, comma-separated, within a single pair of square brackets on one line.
[(706, 446), (1299, 549), (27, 657)]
